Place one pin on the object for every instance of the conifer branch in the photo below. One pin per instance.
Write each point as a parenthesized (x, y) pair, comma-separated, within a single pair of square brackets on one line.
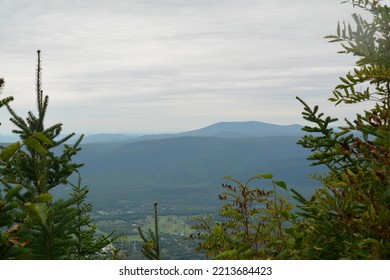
[(19, 122)]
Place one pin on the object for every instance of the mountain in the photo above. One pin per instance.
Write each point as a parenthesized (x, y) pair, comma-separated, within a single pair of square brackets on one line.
[(221, 130), (231, 130), (245, 129)]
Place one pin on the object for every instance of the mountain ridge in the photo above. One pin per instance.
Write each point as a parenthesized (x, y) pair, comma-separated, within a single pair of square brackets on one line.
[(245, 129), (220, 129), (178, 169)]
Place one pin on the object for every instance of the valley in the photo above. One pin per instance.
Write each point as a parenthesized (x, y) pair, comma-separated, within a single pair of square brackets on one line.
[(183, 173)]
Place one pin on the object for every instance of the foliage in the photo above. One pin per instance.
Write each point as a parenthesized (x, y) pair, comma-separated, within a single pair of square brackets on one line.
[(10, 245), (350, 216), (253, 223), (30, 168), (88, 246), (151, 247)]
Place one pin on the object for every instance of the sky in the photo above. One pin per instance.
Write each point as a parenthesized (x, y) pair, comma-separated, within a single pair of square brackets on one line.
[(152, 66)]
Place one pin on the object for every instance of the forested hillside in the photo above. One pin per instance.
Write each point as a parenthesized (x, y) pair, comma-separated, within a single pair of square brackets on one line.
[(187, 171)]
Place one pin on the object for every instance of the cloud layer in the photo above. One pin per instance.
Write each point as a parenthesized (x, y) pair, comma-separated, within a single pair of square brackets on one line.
[(170, 65)]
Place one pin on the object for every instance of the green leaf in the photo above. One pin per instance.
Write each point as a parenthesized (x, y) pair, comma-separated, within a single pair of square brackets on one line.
[(38, 210), (34, 144), (44, 197), (217, 230), (281, 184), (41, 137), (266, 176), (345, 81), (226, 255), (9, 151), (11, 193), (229, 212), (286, 214), (290, 231)]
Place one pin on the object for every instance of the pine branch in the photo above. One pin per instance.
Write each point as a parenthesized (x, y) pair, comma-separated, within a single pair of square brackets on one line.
[(5, 101), (20, 123)]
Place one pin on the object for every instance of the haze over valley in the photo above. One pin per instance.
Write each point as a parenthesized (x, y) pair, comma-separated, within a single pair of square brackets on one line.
[(183, 172), (173, 169)]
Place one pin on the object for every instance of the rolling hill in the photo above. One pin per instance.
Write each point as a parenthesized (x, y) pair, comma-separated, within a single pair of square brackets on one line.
[(185, 171)]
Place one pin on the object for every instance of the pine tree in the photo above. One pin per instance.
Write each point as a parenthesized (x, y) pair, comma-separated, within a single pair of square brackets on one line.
[(51, 229), (88, 246)]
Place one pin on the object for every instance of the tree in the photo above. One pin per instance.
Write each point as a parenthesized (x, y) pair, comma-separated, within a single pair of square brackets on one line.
[(252, 223), (88, 246), (10, 244), (6, 100), (30, 169), (350, 216)]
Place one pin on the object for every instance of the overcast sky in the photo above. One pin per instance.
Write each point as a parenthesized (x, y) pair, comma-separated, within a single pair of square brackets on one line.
[(171, 65)]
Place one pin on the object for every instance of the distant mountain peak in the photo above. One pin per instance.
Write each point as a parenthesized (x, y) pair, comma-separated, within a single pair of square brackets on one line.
[(245, 129), (242, 129)]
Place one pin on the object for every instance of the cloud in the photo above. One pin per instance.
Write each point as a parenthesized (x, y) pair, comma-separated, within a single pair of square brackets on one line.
[(170, 65)]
